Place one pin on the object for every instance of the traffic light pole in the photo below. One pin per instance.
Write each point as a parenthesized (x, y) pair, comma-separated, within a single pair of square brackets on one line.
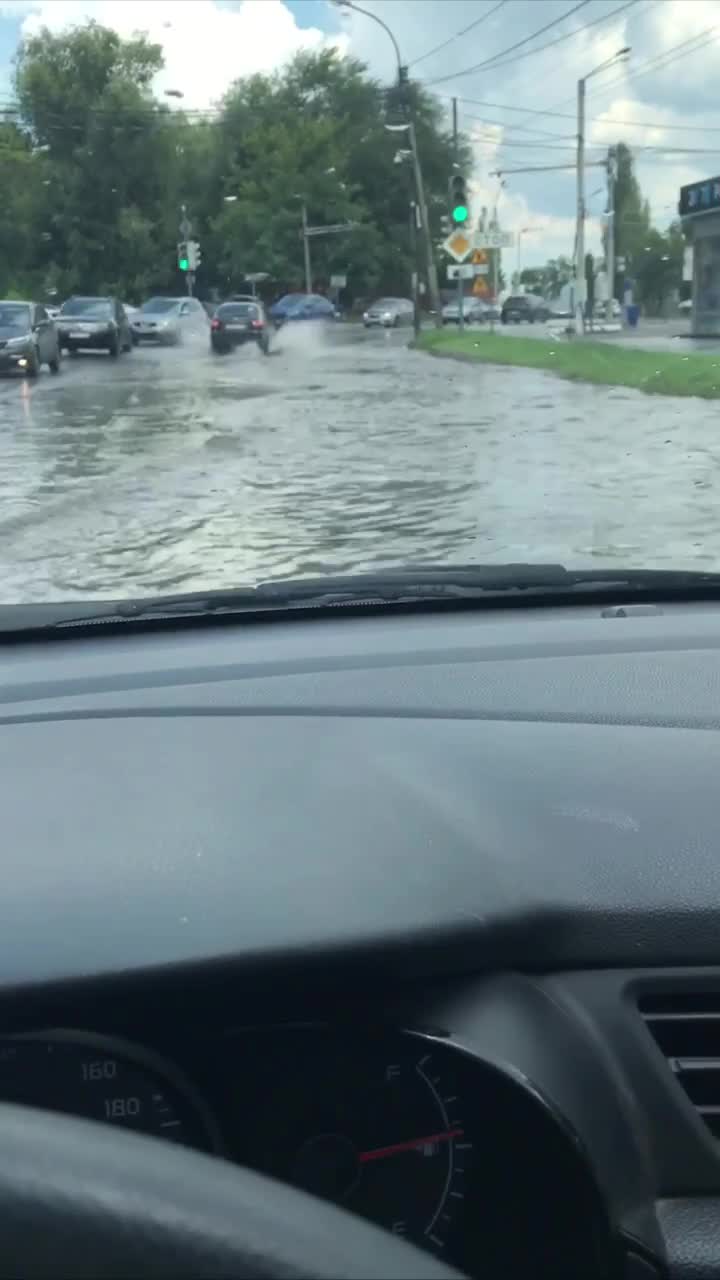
[(306, 250)]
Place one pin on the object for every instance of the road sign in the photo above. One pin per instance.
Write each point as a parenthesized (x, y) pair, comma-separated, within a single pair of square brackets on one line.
[(464, 272), (494, 240), (332, 229), (458, 245), (338, 281), (481, 289), (480, 269)]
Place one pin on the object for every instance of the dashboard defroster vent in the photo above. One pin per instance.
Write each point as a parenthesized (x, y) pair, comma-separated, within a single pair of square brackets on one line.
[(686, 1027)]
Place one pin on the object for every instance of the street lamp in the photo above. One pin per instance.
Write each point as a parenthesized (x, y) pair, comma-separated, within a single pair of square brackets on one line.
[(424, 228), (347, 5), (580, 232)]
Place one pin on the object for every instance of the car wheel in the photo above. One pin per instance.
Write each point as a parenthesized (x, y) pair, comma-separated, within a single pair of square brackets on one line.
[(54, 364), (114, 347)]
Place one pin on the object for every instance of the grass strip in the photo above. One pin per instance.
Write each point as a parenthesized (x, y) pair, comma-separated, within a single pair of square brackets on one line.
[(664, 373)]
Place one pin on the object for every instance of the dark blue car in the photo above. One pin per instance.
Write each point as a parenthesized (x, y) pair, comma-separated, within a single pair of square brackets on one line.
[(301, 306)]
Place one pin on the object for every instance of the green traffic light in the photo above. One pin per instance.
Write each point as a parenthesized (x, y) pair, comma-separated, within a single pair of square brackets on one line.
[(183, 264), (460, 214)]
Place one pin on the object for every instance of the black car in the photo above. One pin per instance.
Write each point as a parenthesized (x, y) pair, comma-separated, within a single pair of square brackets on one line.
[(28, 338), (98, 324), (236, 323), (524, 306)]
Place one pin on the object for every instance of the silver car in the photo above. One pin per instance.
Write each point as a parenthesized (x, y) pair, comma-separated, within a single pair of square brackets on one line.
[(388, 313), (474, 312), (169, 321)]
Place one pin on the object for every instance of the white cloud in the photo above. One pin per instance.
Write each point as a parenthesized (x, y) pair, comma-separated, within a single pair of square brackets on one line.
[(205, 46)]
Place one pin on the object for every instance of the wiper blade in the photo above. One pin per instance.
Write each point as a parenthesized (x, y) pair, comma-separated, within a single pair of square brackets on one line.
[(405, 586)]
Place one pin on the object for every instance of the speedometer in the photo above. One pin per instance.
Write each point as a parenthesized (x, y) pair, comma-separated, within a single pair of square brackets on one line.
[(101, 1079)]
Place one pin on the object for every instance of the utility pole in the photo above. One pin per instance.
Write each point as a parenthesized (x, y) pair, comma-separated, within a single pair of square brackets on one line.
[(414, 218), (306, 249), (425, 230), (460, 281), (610, 253), (580, 213)]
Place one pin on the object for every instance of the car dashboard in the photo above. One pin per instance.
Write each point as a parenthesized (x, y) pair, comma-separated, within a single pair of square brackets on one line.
[(405, 1126), (418, 914)]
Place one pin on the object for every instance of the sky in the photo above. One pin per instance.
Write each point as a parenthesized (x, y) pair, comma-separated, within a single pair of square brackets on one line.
[(661, 97)]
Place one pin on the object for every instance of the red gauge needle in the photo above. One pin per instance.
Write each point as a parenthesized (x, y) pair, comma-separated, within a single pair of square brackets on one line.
[(381, 1153)]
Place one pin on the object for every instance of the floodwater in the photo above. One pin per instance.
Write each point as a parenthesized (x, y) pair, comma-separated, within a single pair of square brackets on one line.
[(176, 470)]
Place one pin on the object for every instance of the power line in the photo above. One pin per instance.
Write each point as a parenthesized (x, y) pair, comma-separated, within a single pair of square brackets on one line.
[(478, 22), (518, 44), (663, 60), (543, 133), (568, 115), (550, 44)]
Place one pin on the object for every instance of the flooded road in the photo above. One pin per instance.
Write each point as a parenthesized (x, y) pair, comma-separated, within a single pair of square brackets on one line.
[(172, 469)]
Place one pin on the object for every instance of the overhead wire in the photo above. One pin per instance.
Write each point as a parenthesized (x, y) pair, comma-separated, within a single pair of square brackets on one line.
[(499, 60), (478, 22), (518, 44), (569, 115)]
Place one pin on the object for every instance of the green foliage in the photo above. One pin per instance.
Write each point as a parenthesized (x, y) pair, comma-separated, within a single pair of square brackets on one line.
[(95, 169), (603, 363)]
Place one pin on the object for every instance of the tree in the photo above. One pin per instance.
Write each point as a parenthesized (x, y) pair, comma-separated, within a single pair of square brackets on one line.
[(96, 171), (658, 271), (86, 107), (631, 223)]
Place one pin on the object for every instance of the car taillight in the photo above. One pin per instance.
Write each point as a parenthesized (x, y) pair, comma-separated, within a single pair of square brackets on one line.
[(257, 324), (216, 324)]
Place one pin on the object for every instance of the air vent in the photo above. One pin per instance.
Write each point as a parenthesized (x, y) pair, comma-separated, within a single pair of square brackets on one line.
[(686, 1027)]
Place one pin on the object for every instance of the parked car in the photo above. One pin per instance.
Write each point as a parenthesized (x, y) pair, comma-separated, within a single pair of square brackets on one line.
[(28, 338), (98, 324), (475, 311), (524, 306), (301, 306), (236, 323), (168, 320), (388, 313)]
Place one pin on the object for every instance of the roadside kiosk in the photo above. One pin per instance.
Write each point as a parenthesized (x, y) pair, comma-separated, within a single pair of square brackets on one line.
[(699, 210)]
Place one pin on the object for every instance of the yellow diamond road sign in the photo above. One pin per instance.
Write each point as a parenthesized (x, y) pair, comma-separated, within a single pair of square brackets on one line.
[(458, 245)]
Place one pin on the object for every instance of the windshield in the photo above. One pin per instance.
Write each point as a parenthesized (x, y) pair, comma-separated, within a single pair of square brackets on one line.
[(13, 315), (237, 311), (92, 308), (159, 306), (475, 342)]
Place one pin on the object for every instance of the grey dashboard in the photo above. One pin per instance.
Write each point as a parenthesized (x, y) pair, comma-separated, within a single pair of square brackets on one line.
[(497, 828)]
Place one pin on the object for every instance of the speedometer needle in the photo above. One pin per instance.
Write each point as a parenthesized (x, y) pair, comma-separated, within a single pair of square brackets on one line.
[(381, 1153)]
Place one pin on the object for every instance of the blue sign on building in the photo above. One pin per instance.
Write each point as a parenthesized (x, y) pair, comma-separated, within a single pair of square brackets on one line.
[(699, 197)]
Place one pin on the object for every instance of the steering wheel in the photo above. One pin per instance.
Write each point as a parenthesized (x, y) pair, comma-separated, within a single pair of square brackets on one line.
[(83, 1199)]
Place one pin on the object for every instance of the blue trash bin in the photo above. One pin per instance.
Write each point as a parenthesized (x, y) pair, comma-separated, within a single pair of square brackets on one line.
[(633, 315)]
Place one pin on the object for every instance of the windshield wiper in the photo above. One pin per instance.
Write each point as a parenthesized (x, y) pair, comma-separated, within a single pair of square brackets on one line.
[(451, 584)]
